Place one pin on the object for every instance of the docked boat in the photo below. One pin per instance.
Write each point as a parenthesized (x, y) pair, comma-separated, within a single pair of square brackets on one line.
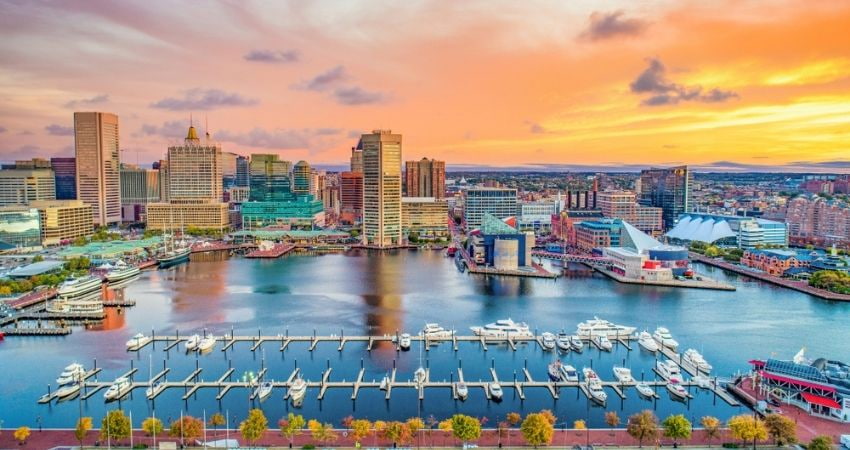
[(644, 389), (665, 339), (420, 376), (72, 374), (404, 342), (594, 386), (434, 332), (151, 391), (589, 374), (563, 342), (669, 370), (192, 342), (702, 381), (597, 326), (603, 343), (385, 383), (548, 341), (462, 390), (138, 341), (122, 271), (569, 373), (503, 329), (646, 341), (175, 256), (298, 391), (696, 359), (576, 344), (495, 390), (555, 372), (263, 390), (623, 375), (90, 303), (76, 287), (207, 343), (67, 389), (119, 388), (677, 389)]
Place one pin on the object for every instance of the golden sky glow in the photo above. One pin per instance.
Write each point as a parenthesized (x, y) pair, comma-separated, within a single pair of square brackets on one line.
[(599, 83)]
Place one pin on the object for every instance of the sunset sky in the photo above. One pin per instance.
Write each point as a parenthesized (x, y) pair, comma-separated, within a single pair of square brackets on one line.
[(718, 85)]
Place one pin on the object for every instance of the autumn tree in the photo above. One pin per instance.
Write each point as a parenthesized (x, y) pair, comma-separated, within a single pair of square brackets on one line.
[(677, 427), (513, 418), (321, 432), (579, 424), (820, 443), (414, 425), (254, 426), (360, 429), (782, 429), (642, 425), (115, 426), (537, 429), (396, 432), (291, 426), (466, 428), (186, 427), (612, 419), (549, 415), (84, 424), (747, 428), (22, 434), (216, 420), (152, 426), (711, 427)]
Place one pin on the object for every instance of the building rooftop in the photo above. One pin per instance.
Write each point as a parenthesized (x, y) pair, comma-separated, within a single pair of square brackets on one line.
[(36, 269), (491, 224)]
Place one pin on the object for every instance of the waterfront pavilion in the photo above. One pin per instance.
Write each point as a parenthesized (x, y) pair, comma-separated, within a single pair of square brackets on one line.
[(39, 268), (99, 251), (295, 236)]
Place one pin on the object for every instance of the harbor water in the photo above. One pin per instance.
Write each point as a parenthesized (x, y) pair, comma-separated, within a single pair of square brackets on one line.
[(370, 293)]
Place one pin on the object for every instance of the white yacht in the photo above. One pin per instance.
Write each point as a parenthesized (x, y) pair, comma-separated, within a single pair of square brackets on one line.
[(495, 390), (646, 341), (385, 383), (462, 390), (563, 342), (119, 388), (597, 326), (420, 376), (663, 336), (603, 343), (298, 391), (404, 342), (594, 385), (138, 341), (702, 381), (623, 375), (192, 342), (78, 286), (576, 343), (555, 372), (644, 389), (677, 389), (71, 374), (434, 332), (152, 390), (206, 343), (570, 373), (67, 390), (503, 329), (696, 359), (121, 272), (669, 370), (263, 390), (548, 341)]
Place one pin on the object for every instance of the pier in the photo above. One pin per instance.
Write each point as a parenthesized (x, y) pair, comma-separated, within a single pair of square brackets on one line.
[(276, 251)]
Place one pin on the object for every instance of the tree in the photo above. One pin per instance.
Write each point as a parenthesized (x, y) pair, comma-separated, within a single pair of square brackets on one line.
[(396, 432), (216, 420), (291, 426), (782, 429), (537, 430), (513, 418), (152, 426), (115, 426), (83, 426), (711, 426), (579, 424), (253, 427), (612, 419), (820, 443), (322, 432), (414, 424), (187, 427), (466, 428), (642, 425), (548, 415), (37, 258), (747, 428), (360, 429), (677, 427), (21, 434)]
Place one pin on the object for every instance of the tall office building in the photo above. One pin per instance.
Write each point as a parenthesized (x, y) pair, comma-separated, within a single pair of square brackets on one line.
[(65, 173), (623, 205), (63, 221), (139, 187), (425, 178), (301, 178), (351, 196), (357, 158), (21, 186), (381, 188), (98, 164), (317, 183), (269, 179), (243, 171), (228, 169), (499, 202), (668, 189)]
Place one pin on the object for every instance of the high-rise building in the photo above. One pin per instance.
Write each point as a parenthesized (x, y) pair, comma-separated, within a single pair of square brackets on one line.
[(351, 196), (19, 227), (139, 187), (381, 188), (269, 179), (65, 172), (668, 189), (425, 178), (301, 178), (242, 171), (98, 164), (64, 220), (228, 169), (623, 205), (22, 186), (500, 202), (317, 182), (357, 158)]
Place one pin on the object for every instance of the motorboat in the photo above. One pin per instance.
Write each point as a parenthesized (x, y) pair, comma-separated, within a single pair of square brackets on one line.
[(297, 391), (404, 342), (119, 388), (646, 341), (263, 390), (192, 342), (462, 390), (594, 386), (597, 326), (555, 373), (668, 369), (563, 342), (138, 341), (603, 343), (696, 359), (589, 374), (434, 332), (702, 381), (548, 341), (152, 390), (206, 343), (385, 383), (576, 344), (68, 389), (495, 390), (623, 375), (122, 271), (677, 389), (504, 329), (420, 376), (569, 373), (665, 339), (644, 389), (76, 287), (72, 374)]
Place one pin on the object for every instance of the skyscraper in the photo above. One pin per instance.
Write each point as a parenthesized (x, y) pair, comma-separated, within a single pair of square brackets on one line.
[(499, 202), (269, 179), (65, 172), (138, 188), (425, 178), (357, 158), (228, 169), (98, 164), (351, 196), (668, 189), (301, 178), (21, 186), (242, 171), (381, 188)]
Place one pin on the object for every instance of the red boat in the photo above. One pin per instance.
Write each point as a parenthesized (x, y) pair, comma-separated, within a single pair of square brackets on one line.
[(2, 336)]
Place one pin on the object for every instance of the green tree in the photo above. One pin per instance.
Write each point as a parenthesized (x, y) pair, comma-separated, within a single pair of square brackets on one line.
[(291, 426), (711, 427), (537, 430), (37, 258), (466, 428), (642, 425), (677, 427), (84, 424), (782, 429), (115, 426), (253, 427), (820, 443), (747, 428), (185, 428), (152, 426)]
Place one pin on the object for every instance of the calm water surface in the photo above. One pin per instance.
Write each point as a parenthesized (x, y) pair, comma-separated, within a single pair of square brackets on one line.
[(372, 293)]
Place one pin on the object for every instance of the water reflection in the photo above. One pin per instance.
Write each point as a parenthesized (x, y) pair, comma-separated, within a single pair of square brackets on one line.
[(382, 292)]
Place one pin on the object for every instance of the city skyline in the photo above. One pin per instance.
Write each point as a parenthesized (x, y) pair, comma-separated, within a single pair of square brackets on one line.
[(604, 85)]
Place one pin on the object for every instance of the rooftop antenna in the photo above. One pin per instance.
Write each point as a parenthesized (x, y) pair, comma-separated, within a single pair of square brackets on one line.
[(207, 126), (190, 120)]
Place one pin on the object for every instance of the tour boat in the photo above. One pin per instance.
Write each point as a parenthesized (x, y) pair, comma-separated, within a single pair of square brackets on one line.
[(87, 304), (597, 326), (569, 373), (677, 389), (663, 336), (462, 390), (76, 287), (121, 272), (206, 343), (151, 391), (420, 376), (603, 343), (563, 342), (298, 391), (646, 341), (576, 343), (263, 390), (503, 329), (623, 375), (644, 389), (119, 388), (138, 341), (548, 341), (434, 332), (72, 374), (696, 359), (668, 369), (192, 342), (555, 373), (404, 342), (495, 390)]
